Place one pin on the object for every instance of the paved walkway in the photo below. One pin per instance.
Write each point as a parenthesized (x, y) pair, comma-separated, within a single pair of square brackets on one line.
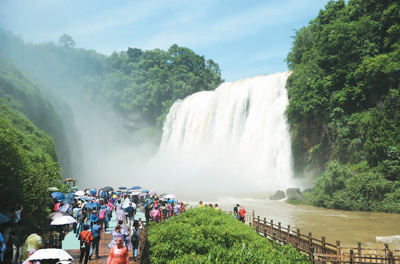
[(71, 243)]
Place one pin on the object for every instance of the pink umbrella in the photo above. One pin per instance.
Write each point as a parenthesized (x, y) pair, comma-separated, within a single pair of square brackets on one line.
[(152, 192), (169, 196)]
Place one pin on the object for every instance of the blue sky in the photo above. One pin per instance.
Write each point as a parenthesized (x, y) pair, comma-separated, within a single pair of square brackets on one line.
[(246, 38)]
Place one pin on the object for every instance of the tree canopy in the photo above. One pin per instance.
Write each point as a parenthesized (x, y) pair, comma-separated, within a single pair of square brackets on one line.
[(344, 90)]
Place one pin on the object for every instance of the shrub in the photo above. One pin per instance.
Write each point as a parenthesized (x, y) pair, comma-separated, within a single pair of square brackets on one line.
[(206, 235)]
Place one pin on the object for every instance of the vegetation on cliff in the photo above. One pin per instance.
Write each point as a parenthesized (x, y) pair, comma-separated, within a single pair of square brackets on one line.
[(206, 235), (344, 104), (28, 160)]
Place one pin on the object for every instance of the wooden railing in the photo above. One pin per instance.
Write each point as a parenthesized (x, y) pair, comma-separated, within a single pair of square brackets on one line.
[(318, 250)]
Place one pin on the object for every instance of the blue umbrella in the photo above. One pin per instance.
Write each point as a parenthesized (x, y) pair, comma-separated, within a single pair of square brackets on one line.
[(171, 201), (58, 196), (4, 218), (93, 192), (92, 205), (136, 187), (122, 188), (147, 203), (69, 197), (144, 191)]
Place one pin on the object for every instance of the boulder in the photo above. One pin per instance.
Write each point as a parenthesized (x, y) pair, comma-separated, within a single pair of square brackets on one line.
[(294, 194), (278, 195)]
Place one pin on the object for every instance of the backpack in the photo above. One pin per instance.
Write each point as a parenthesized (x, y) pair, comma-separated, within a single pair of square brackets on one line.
[(102, 214), (84, 243), (135, 238)]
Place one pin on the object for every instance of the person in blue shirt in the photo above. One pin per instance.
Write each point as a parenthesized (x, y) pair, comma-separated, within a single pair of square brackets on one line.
[(93, 219), (130, 210), (96, 231)]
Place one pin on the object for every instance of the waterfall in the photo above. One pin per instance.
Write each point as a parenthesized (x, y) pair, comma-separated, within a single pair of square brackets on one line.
[(234, 138)]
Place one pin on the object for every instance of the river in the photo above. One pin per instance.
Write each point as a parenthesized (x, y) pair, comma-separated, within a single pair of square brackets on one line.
[(373, 230)]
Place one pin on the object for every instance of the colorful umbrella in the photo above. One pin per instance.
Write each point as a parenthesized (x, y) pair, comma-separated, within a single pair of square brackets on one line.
[(147, 203), (50, 253), (79, 193), (108, 188), (92, 205), (63, 220), (169, 196), (4, 218), (152, 192), (58, 196)]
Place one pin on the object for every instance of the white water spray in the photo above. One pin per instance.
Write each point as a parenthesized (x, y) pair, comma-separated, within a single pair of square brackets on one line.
[(234, 139)]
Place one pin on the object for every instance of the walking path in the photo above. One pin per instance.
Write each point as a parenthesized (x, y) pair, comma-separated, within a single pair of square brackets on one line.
[(71, 243)]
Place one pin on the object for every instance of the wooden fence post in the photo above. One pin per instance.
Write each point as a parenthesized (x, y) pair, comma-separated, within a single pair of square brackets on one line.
[(391, 257), (298, 236), (272, 226), (265, 223), (311, 256), (359, 250), (309, 241), (338, 247), (265, 232), (288, 233), (351, 256), (279, 230), (323, 245)]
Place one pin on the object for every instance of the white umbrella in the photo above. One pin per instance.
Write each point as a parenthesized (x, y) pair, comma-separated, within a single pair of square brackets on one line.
[(80, 193), (134, 193), (126, 203), (63, 220), (152, 192), (50, 253), (55, 215), (169, 196)]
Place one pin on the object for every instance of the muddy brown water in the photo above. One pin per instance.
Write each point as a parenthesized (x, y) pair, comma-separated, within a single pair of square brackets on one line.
[(373, 230)]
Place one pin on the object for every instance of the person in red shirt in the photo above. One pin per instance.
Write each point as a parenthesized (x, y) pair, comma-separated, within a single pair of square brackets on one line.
[(242, 214), (118, 253), (85, 235)]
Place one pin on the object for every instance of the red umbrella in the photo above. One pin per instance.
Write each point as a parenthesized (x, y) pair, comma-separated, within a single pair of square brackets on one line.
[(56, 207)]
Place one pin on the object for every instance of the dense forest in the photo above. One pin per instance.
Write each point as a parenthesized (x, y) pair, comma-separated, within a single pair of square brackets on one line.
[(344, 105)]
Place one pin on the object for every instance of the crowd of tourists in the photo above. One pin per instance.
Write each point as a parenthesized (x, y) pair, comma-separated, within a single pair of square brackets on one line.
[(91, 212)]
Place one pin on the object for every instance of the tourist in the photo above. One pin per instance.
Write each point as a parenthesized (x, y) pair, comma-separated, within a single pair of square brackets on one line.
[(217, 208), (155, 214), (56, 236), (118, 253), (31, 262), (242, 214), (130, 211), (119, 232), (96, 230), (2, 247), (18, 235), (147, 210), (236, 211), (135, 239), (80, 221), (201, 204), (93, 218), (85, 238), (120, 214), (33, 242), (177, 208)]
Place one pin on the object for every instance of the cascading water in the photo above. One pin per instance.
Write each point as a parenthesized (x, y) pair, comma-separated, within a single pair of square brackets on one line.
[(234, 139)]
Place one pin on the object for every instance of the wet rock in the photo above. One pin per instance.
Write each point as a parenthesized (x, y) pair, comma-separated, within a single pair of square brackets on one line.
[(294, 194), (278, 195)]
